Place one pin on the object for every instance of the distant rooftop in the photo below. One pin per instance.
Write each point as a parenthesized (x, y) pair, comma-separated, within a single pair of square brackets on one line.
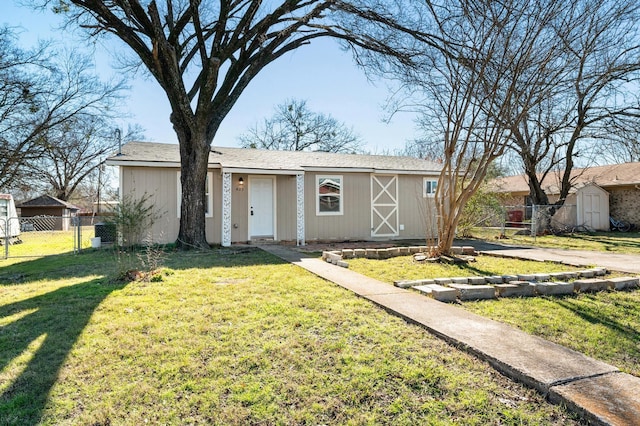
[(625, 174)]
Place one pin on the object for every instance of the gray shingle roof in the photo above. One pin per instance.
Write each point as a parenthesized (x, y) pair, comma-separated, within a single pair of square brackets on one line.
[(47, 201), (259, 159)]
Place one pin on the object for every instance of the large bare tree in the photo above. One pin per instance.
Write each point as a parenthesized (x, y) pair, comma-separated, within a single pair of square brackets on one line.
[(42, 91), (294, 127), (466, 89), (203, 54), (589, 103)]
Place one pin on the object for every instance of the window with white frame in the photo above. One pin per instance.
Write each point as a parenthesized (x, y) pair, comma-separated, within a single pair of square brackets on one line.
[(430, 187), (208, 193), (329, 195)]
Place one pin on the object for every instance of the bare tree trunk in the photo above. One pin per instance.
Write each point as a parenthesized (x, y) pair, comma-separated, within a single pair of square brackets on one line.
[(194, 160)]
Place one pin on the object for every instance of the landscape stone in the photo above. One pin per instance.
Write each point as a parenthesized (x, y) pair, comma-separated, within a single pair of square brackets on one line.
[(456, 250), (427, 281), (477, 280), (444, 294), (442, 281), (468, 250), (600, 272), (371, 253), (511, 290), (414, 250), (393, 251), (494, 279), (403, 251), (587, 273), (526, 277), (403, 284), (590, 284), (542, 277), (509, 278), (571, 275), (474, 292), (424, 289), (460, 280), (383, 253), (359, 253), (342, 264), (347, 254), (554, 288), (623, 283), (559, 276)]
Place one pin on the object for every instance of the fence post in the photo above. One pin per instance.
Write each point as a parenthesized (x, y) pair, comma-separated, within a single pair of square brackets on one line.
[(534, 221), (6, 240), (78, 234)]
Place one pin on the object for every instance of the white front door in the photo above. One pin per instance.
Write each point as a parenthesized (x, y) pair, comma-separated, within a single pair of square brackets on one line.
[(261, 207)]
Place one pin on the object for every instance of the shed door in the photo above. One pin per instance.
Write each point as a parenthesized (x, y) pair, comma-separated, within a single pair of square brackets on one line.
[(592, 210), (384, 205), (261, 207)]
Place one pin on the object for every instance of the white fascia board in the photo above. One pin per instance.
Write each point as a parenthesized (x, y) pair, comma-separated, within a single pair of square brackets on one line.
[(155, 164), (370, 170), (261, 171), (123, 163)]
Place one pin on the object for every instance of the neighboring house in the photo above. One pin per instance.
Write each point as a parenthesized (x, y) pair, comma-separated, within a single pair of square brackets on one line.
[(9, 223), (286, 195), (597, 193), (47, 213)]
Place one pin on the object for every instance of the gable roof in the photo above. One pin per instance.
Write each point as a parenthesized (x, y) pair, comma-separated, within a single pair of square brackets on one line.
[(608, 176), (151, 154), (47, 201)]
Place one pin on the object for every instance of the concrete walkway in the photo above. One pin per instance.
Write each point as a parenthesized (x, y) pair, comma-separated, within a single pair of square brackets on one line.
[(599, 392), (612, 261)]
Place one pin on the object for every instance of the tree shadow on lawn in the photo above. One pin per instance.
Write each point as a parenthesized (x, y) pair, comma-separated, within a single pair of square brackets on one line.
[(56, 267), (48, 326), (591, 313)]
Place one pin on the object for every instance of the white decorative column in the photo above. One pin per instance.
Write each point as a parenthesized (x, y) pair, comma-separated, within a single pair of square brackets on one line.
[(300, 209), (226, 209)]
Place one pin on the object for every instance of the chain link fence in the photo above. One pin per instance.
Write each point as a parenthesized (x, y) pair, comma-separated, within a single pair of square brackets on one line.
[(48, 235), (532, 220)]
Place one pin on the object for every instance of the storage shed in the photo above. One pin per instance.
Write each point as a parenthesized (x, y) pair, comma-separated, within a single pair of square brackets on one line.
[(58, 213)]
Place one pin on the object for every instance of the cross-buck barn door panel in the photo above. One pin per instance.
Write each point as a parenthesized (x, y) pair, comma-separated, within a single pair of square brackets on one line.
[(384, 205)]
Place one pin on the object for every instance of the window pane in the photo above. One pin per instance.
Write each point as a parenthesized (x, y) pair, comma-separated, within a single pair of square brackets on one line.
[(329, 186), (329, 203)]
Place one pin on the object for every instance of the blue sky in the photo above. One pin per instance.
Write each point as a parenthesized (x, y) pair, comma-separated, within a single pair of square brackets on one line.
[(320, 73)]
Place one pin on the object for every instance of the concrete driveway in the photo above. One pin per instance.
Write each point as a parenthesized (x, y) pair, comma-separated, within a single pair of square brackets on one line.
[(629, 263)]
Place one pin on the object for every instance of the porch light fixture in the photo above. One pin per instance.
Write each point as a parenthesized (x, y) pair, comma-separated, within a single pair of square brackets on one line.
[(240, 181)]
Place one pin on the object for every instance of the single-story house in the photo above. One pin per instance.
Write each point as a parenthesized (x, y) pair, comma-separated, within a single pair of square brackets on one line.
[(47, 213), (597, 193), (287, 196), (9, 223)]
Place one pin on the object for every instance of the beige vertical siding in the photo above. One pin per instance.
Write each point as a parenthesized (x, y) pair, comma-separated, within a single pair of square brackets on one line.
[(286, 207), (239, 208), (416, 212), (354, 223), (161, 184)]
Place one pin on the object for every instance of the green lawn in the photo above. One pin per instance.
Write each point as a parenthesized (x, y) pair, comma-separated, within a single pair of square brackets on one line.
[(603, 325), (613, 242), (228, 337)]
